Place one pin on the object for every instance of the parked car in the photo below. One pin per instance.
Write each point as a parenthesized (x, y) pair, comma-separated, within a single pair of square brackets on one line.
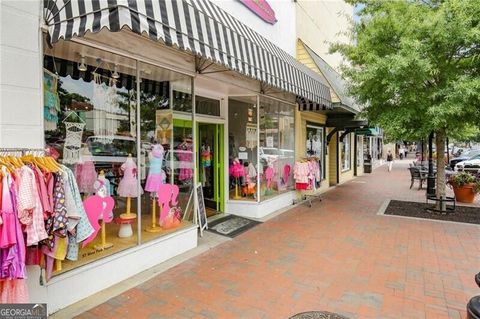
[(111, 149), (473, 164), (465, 156)]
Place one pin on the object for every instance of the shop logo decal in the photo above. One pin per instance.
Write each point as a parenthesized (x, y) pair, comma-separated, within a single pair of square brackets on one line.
[(262, 9)]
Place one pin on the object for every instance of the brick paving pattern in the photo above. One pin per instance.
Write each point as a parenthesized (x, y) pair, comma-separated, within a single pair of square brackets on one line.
[(338, 256)]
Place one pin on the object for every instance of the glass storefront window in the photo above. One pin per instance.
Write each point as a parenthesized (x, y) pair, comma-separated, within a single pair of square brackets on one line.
[(91, 124), (315, 146), (92, 131), (345, 157), (242, 148), (167, 151), (276, 147)]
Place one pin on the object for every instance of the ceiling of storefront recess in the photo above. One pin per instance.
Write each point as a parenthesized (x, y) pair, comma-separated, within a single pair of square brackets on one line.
[(73, 51)]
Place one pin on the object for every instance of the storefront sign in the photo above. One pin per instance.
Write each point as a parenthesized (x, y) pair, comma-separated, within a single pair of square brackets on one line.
[(262, 9), (269, 141), (163, 125), (243, 155), (201, 210)]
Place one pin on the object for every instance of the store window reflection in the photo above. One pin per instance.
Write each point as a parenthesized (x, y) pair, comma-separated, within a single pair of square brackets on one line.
[(167, 151), (91, 131), (277, 147), (242, 142)]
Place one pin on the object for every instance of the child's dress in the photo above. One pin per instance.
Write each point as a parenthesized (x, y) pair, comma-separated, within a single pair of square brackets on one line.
[(86, 175), (185, 155), (128, 185), (156, 176)]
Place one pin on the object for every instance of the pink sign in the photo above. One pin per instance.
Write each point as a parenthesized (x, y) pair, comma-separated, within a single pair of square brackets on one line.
[(97, 208), (262, 9)]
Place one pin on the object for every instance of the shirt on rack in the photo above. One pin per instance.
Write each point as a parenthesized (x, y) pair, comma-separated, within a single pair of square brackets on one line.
[(29, 206)]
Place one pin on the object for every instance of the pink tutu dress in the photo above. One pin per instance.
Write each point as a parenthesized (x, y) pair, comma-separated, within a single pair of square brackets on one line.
[(156, 176), (128, 185), (185, 155), (86, 175)]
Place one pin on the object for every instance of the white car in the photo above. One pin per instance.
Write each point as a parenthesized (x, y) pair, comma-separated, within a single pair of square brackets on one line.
[(472, 164)]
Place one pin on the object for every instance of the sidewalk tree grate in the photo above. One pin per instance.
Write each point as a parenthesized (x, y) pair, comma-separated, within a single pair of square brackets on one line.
[(317, 315)]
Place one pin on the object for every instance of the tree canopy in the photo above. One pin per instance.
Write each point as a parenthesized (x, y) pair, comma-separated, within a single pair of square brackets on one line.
[(415, 65)]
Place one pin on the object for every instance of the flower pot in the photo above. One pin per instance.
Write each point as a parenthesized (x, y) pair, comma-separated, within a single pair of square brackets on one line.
[(464, 194)]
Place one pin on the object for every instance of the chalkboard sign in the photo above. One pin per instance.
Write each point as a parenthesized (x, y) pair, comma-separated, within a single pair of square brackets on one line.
[(202, 213)]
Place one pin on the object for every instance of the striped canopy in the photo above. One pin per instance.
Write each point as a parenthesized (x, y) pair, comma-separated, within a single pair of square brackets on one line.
[(198, 26)]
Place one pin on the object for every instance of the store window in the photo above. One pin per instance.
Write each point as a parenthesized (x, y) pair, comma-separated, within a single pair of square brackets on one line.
[(359, 150), (91, 122), (345, 152), (206, 106), (276, 147), (167, 151), (242, 144), (315, 146), (90, 114)]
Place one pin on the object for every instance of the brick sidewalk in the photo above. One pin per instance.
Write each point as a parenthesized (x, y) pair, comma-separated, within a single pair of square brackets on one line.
[(338, 256)]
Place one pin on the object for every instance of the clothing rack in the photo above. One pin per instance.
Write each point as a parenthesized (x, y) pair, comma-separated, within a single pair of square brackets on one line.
[(21, 151), (307, 198)]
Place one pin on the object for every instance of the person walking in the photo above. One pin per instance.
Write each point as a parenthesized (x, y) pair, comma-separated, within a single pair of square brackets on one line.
[(389, 160)]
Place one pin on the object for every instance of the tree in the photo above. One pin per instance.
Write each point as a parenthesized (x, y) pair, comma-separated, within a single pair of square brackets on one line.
[(415, 65)]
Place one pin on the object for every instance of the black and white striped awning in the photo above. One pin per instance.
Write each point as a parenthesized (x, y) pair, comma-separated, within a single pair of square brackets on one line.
[(198, 26)]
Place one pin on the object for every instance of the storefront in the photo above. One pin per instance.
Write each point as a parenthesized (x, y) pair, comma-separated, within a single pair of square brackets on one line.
[(144, 104)]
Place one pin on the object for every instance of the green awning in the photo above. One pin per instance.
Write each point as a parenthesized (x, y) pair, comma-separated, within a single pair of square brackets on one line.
[(367, 131)]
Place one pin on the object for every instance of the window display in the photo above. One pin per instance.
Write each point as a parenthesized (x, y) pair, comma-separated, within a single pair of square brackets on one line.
[(315, 146), (277, 147), (167, 148), (345, 155), (93, 132), (242, 142)]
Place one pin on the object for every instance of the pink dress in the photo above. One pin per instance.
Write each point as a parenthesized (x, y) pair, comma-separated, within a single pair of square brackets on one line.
[(186, 159), (86, 175), (12, 257), (128, 185), (156, 176), (30, 210)]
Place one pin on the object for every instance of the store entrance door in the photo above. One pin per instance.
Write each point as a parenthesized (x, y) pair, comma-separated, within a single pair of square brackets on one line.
[(210, 169)]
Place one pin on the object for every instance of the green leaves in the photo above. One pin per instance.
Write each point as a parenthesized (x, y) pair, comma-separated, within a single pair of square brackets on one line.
[(415, 65)]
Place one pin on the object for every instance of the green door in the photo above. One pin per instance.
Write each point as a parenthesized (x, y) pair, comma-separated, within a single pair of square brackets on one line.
[(210, 164)]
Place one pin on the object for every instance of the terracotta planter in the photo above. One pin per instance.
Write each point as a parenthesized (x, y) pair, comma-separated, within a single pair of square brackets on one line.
[(464, 194)]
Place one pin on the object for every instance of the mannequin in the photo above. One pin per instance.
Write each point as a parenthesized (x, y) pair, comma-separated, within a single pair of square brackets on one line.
[(128, 185), (206, 160)]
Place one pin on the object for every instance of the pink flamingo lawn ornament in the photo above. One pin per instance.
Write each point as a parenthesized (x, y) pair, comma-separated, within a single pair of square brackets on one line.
[(97, 208)]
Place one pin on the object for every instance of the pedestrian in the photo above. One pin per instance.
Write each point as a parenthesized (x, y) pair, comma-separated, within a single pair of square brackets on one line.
[(389, 160)]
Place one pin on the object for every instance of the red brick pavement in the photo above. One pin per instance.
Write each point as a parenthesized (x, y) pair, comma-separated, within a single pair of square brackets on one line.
[(338, 256)]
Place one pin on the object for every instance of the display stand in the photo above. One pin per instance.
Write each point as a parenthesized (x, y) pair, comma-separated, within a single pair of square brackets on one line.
[(128, 214), (307, 198), (237, 180), (104, 244), (58, 265), (154, 228)]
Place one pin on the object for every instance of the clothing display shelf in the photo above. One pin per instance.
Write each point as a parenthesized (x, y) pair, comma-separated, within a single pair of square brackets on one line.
[(307, 197)]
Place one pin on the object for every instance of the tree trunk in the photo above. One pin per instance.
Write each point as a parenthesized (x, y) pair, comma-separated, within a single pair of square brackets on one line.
[(440, 137)]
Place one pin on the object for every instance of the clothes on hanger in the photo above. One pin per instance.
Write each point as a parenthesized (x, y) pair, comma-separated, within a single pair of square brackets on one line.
[(185, 155), (307, 174), (41, 202)]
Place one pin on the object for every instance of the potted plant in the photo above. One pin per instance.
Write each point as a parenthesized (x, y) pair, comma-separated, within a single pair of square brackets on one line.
[(465, 186)]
